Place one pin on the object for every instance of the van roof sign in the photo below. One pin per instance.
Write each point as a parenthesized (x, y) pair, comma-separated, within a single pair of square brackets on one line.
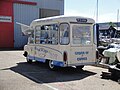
[(83, 20)]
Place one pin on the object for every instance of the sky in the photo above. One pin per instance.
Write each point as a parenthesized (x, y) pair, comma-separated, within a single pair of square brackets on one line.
[(107, 9)]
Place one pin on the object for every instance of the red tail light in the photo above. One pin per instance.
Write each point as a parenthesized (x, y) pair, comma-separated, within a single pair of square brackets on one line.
[(65, 56), (97, 54)]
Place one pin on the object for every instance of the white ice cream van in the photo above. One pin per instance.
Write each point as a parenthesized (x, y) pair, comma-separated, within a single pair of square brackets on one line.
[(62, 41)]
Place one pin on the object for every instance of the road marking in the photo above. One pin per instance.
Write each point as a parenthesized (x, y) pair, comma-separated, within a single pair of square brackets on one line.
[(47, 85), (50, 86)]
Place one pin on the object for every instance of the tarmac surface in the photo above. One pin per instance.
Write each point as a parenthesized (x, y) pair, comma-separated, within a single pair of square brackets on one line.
[(17, 74)]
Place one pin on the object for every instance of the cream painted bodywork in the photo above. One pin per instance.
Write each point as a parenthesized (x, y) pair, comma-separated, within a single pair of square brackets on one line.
[(76, 54)]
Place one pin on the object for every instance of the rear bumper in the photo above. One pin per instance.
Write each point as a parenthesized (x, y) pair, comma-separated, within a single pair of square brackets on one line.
[(79, 64)]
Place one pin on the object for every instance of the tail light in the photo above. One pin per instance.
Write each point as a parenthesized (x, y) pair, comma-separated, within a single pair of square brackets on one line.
[(65, 56)]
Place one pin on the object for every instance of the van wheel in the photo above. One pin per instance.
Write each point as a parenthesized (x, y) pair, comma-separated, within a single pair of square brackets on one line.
[(51, 66), (80, 67), (29, 60)]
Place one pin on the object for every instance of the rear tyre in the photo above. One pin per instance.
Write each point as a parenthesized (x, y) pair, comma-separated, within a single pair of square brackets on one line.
[(29, 60), (26, 55), (51, 66)]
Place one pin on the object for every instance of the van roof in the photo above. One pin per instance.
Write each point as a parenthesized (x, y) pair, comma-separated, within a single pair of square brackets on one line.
[(61, 18)]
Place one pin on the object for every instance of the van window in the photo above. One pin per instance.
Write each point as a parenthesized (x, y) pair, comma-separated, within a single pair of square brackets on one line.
[(64, 33), (31, 38), (47, 34), (81, 34), (37, 34)]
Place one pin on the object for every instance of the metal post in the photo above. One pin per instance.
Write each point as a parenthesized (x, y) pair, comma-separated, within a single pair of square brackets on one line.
[(117, 18), (97, 13)]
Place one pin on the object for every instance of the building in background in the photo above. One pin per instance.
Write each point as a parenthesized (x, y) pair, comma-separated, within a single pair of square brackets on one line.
[(109, 29), (23, 11), (109, 33)]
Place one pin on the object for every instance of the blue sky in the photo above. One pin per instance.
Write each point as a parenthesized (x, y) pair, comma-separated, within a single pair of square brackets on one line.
[(107, 9)]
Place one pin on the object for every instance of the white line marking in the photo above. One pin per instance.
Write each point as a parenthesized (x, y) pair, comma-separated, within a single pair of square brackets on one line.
[(50, 86)]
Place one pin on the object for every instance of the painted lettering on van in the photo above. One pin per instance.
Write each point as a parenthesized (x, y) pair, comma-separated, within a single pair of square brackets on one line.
[(82, 53), (82, 58), (43, 52)]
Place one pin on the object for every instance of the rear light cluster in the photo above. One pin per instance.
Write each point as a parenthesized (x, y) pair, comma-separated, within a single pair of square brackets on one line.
[(65, 56)]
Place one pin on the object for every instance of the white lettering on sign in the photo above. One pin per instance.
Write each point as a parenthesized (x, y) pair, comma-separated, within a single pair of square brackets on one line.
[(5, 19)]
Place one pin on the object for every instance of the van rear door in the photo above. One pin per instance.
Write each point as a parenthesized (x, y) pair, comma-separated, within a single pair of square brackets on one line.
[(82, 47)]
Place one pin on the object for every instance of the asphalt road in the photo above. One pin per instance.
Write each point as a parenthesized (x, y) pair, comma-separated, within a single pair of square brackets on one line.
[(16, 74)]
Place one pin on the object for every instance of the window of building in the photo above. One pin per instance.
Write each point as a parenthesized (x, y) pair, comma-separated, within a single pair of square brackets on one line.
[(48, 13)]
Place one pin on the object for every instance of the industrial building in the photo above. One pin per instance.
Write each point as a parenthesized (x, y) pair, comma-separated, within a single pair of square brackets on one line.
[(23, 11)]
